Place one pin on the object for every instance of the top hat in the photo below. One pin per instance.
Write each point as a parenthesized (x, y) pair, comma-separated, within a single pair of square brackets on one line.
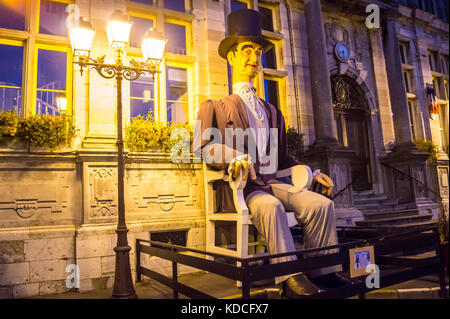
[(243, 25)]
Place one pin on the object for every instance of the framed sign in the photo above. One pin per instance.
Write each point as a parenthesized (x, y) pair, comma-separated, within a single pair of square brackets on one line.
[(360, 258)]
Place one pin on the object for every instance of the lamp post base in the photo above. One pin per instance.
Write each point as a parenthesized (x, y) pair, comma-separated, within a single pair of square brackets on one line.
[(123, 282)]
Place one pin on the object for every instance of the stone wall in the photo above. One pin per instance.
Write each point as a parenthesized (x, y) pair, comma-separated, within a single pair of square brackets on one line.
[(62, 210)]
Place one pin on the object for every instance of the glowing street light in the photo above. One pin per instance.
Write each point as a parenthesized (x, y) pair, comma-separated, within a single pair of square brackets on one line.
[(152, 47), (61, 102), (118, 32), (81, 37)]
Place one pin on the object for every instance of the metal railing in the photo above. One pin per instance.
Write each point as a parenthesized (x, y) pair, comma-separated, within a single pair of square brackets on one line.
[(413, 179)]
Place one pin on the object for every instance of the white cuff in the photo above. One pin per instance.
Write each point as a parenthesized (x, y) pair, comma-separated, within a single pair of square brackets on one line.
[(316, 171)]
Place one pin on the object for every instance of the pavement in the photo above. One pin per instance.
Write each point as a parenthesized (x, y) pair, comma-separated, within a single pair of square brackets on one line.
[(220, 287)]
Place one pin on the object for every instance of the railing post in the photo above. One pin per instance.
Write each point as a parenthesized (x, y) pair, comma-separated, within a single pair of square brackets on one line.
[(175, 279), (245, 283), (138, 260), (443, 291)]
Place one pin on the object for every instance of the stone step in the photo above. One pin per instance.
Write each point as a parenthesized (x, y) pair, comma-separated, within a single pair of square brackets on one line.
[(403, 220), (378, 205), (370, 196), (366, 192), (380, 201), (411, 225), (378, 209), (391, 213)]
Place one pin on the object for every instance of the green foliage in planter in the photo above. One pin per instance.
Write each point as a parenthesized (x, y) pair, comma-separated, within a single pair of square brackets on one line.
[(46, 130), (145, 134), (430, 147), (8, 124), (295, 143)]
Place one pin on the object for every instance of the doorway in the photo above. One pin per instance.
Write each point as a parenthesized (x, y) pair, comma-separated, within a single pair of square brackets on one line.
[(351, 116)]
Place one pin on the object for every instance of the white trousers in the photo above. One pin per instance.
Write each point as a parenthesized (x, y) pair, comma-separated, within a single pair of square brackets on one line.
[(313, 211)]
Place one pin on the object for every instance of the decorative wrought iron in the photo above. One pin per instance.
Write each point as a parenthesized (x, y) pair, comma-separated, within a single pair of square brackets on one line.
[(345, 93), (178, 237), (109, 71)]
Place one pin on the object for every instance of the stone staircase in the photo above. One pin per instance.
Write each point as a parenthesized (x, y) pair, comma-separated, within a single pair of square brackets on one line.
[(380, 211)]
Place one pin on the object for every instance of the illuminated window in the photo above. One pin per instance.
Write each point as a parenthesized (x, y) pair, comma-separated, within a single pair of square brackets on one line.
[(432, 60), (12, 14), (404, 50), (11, 77), (273, 77), (177, 95), (437, 86), (411, 109), (266, 18), (444, 64), (271, 92), (46, 58), (51, 80), (408, 80), (139, 28), (443, 125), (269, 59), (176, 38), (52, 18), (142, 96), (238, 5), (177, 5), (446, 87)]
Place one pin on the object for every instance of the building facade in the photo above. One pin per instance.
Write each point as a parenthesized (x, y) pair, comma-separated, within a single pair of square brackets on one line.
[(358, 91)]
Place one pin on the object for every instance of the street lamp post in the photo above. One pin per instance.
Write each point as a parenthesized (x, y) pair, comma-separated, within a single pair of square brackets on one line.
[(118, 31)]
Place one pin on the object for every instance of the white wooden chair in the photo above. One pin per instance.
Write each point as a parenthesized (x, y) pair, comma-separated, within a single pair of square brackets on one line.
[(243, 248)]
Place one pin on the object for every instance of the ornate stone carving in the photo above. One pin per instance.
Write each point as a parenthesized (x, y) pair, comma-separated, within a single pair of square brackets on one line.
[(103, 192), (177, 189), (443, 180), (26, 208), (345, 94), (419, 175), (336, 33)]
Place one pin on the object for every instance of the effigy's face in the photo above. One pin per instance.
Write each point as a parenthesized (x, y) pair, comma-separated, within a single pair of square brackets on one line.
[(246, 60)]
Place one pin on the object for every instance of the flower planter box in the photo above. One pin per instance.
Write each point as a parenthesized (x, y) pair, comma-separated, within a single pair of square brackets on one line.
[(12, 143)]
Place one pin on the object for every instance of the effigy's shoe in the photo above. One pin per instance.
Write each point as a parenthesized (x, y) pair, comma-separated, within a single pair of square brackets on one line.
[(299, 286)]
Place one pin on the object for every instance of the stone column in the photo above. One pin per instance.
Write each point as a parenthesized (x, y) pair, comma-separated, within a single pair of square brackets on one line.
[(326, 153), (399, 101), (382, 87), (324, 125), (406, 160)]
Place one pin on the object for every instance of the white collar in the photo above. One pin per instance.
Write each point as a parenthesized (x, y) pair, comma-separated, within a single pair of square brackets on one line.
[(242, 85)]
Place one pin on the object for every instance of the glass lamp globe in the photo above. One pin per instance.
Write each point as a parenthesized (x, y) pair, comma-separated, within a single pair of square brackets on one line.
[(118, 30), (152, 47), (81, 37)]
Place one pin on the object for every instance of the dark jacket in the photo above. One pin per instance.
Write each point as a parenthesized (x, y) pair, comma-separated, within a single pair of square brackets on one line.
[(230, 112)]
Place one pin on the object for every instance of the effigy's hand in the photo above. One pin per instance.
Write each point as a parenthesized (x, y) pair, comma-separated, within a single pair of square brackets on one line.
[(326, 182), (242, 163)]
